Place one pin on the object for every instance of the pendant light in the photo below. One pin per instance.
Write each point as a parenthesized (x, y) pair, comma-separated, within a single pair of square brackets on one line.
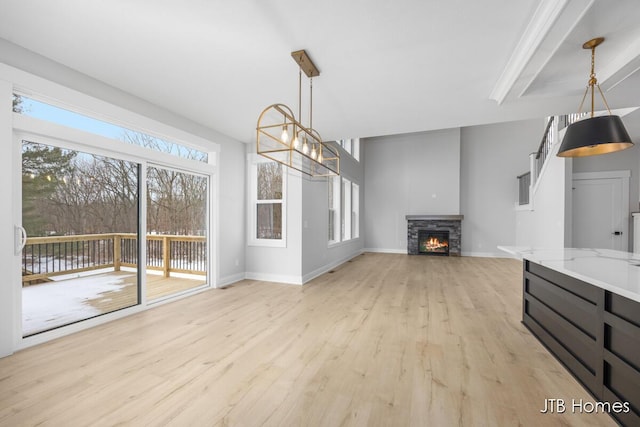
[(594, 135), (306, 151)]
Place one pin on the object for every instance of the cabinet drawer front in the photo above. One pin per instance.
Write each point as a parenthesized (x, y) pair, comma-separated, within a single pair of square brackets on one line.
[(575, 286), (582, 347), (624, 308), (623, 340), (622, 380), (581, 313)]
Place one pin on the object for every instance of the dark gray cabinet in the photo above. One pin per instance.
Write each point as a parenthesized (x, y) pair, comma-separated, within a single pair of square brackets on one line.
[(593, 332)]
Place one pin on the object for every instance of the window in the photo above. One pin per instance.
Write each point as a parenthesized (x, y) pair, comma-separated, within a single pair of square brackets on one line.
[(334, 209), (87, 187), (355, 210), (344, 210), (356, 149), (351, 146), (268, 183), (40, 110), (80, 211)]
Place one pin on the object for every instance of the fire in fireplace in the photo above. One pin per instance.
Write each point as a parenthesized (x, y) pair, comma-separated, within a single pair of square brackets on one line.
[(433, 242)]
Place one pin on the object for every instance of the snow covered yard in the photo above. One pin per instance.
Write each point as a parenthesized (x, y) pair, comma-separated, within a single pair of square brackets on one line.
[(63, 301)]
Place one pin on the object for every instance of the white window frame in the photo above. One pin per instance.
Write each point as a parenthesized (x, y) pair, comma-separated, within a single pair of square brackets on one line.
[(15, 81), (51, 133), (347, 220), (351, 146), (355, 210), (345, 211), (335, 182), (253, 240), (356, 149)]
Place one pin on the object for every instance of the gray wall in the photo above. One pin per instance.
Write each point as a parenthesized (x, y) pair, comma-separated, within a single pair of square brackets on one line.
[(471, 171), (281, 264), (492, 156), (408, 174), (307, 254), (317, 257)]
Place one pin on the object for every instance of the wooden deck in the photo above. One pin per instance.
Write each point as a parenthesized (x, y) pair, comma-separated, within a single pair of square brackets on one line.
[(157, 287), (49, 308)]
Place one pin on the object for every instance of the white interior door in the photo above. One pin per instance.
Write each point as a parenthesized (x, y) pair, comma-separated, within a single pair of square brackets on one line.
[(600, 212)]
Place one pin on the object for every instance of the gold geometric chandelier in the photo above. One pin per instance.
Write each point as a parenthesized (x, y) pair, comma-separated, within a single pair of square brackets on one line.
[(281, 137)]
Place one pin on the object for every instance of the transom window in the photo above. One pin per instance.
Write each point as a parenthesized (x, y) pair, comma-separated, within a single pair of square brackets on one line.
[(40, 110), (351, 146)]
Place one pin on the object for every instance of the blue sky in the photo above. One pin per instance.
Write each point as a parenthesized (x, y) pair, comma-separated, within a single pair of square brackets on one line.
[(50, 113), (40, 110)]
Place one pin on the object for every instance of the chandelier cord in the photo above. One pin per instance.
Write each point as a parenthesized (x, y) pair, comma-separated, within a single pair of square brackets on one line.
[(311, 102)]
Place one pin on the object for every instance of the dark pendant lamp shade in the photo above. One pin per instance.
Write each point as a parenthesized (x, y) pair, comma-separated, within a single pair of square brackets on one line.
[(593, 136)]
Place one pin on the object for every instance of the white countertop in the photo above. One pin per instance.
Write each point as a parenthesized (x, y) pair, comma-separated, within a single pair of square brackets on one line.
[(615, 271)]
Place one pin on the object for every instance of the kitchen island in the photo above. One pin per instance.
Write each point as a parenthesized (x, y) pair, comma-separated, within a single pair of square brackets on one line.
[(584, 307)]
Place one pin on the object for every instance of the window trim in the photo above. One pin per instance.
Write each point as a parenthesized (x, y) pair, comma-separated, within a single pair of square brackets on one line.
[(354, 235), (355, 210), (253, 160), (351, 146), (345, 209), (32, 86), (335, 182)]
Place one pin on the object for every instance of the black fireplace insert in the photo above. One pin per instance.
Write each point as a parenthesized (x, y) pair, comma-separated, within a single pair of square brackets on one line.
[(433, 242)]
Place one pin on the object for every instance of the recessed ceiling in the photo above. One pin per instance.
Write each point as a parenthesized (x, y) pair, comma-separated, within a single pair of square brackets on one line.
[(385, 67)]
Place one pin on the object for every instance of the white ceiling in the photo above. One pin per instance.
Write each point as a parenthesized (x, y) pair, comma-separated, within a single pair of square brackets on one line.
[(387, 66)]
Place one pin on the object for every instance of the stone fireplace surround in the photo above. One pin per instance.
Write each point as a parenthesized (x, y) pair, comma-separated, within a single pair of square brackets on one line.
[(450, 223)]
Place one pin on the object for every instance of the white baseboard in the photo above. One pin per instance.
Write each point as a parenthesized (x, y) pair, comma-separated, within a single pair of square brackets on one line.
[(471, 254), (486, 254), (228, 280), (325, 268), (386, 251), (279, 278)]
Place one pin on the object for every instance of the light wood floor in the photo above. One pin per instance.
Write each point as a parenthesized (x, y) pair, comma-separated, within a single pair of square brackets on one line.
[(389, 340)]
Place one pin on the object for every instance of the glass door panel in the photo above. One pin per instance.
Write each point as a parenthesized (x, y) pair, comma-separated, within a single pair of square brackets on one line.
[(80, 212), (177, 226)]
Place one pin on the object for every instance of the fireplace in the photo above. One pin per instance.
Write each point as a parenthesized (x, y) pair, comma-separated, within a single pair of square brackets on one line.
[(433, 242), (430, 224)]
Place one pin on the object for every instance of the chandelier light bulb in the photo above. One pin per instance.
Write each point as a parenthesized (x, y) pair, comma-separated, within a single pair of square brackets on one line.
[(285, 134), (305, 147), (296, 142), (314, 153)]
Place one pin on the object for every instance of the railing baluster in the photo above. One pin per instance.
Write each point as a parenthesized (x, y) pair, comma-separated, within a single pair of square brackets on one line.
[(46, 256)]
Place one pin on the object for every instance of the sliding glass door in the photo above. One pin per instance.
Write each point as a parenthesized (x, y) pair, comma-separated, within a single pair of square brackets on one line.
[(177, 205), (80, 214)]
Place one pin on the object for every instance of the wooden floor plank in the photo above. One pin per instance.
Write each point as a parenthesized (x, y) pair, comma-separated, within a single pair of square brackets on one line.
[(383, 340)]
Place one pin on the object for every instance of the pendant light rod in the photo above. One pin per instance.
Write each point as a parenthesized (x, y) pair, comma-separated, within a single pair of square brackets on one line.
[(311, 102), (299, 91), (592, 77), (593, 81)]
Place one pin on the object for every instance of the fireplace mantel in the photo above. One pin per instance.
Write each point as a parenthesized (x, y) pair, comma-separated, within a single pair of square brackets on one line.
[(434, 217)]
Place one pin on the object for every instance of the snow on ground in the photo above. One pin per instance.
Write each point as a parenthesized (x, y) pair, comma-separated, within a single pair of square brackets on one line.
[(53, 304)]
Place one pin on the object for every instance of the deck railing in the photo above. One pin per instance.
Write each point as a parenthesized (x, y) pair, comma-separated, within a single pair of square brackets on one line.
[(44, 257)]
